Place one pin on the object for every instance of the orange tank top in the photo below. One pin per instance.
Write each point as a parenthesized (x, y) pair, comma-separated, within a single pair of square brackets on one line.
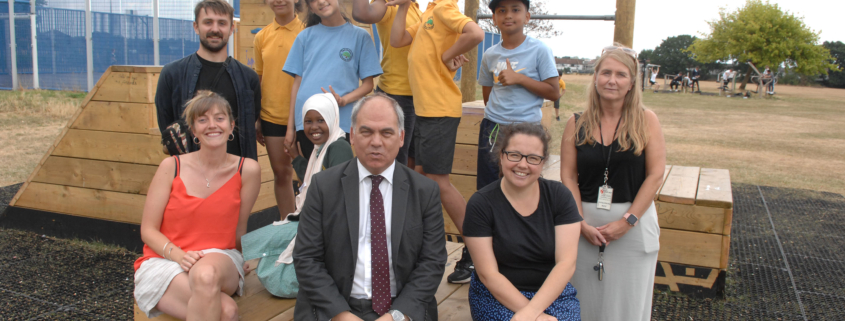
[(194, 223)]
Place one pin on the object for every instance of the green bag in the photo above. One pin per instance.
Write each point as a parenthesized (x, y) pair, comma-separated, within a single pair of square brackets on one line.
[(268, 243)]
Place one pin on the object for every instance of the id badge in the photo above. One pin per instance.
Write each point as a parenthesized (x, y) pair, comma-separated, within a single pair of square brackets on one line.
[(605, 197)]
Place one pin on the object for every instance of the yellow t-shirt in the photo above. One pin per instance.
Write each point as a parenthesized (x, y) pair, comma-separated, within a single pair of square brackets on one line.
[(272, 45), (435, 93), (562, 84), (394, 81)]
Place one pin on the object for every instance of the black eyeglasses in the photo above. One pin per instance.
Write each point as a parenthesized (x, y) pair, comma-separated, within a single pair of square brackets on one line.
[(517, 157), (628, 51)]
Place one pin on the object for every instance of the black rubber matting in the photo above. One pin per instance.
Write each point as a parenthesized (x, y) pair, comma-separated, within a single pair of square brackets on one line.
[(787, 262)]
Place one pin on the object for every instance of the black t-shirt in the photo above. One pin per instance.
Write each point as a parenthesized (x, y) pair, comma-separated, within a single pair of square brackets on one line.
[(524, 246), (224, 88), (625, 175)]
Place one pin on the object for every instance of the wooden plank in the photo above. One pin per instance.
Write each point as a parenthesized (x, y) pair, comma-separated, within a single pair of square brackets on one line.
[(469, 126), (246, 55), (690, 248), (253, 14), (136, 68), (245, 35), (445, 289), (698, 281), (692, 217), (729, 214), (108, 146), (102, 175), (466, 186), (127, 87), (263, 306), (266, 169), (117, 117), (665, 174), (266, 197), (714, 188), (726, 249), (98, 204), (465, 161), (681, 185), (456, 306), (262, 150)]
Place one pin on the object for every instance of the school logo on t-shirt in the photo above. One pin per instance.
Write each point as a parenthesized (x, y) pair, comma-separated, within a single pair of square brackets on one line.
[(346, 54), (429, 24)]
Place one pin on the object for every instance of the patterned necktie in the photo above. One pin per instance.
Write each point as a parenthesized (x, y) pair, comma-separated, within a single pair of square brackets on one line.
[(378, 250)]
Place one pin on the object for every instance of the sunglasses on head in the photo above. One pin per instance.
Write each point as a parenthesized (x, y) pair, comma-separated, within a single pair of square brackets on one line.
[(628, 51)]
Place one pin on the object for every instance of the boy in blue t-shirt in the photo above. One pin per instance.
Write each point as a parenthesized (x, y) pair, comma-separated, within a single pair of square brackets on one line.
[(516, 76)]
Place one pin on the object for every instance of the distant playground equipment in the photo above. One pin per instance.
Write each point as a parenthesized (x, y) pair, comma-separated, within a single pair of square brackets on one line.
[(646, 70), (762, 81)]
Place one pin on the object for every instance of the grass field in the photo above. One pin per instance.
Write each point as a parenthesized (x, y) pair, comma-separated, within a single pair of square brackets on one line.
[(794, 139)]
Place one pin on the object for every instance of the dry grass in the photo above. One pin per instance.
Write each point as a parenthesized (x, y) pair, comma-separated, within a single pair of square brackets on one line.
[(794, 139), (29, 123)]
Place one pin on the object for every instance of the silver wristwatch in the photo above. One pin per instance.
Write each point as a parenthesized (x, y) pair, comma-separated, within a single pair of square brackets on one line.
[(397, 316)]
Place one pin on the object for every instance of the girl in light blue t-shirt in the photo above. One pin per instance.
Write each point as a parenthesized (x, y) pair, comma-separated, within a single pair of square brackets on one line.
[(330, 55)]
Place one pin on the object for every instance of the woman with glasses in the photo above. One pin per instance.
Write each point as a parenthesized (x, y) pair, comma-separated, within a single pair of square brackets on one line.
[(522, 232), (612, 159)]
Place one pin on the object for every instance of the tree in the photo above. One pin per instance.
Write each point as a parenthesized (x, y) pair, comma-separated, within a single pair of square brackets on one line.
[(763, 33), (535, 28), (670, 54), (646, 55), (836, 79)]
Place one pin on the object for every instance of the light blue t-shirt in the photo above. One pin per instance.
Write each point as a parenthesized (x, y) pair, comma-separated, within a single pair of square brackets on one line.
[(338, 56), (514, 103)]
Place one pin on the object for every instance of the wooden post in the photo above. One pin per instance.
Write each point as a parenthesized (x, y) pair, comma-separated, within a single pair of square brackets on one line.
[(624, 30), (469, 69)]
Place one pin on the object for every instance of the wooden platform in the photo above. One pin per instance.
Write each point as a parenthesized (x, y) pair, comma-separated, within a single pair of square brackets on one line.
[(258, 305)]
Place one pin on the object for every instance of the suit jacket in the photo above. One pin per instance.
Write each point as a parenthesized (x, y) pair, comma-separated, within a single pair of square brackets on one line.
[(326, 249)]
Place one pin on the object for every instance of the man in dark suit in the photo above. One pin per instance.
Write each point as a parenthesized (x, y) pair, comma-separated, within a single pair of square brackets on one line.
[(365, 253)]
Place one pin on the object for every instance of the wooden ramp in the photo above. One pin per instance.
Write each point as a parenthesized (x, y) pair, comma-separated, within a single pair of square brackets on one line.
[(258, 305), (92, 182)]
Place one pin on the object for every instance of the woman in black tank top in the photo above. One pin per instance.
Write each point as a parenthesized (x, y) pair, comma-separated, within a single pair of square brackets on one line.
[(612, 159)]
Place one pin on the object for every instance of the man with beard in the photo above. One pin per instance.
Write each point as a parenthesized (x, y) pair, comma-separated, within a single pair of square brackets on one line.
[(210, 68)]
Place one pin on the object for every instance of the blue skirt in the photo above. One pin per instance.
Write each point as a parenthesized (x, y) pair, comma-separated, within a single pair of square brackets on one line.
[(484, 307)]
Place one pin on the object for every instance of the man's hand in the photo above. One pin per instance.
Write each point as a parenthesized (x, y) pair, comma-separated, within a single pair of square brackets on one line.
[(614, 230), (258, 135), (338, 98), (348, 316), (454, 63), (508, 76)]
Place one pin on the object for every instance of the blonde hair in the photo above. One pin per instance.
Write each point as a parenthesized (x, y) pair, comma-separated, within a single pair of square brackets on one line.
[(204, 101), (632, 130)]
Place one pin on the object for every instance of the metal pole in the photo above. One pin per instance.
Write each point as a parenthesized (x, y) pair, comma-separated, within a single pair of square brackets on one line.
[(89, 44), (12, 45), (559, 17), (35, 82), (156, 57)]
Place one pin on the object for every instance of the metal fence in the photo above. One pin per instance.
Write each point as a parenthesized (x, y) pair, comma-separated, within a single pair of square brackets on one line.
[(122, 32)]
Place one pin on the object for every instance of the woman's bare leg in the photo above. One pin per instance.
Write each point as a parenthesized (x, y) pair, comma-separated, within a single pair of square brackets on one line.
[(211, 275)]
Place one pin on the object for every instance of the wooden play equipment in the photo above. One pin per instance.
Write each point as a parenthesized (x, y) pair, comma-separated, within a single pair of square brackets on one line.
[(694, 210), (92, 182)]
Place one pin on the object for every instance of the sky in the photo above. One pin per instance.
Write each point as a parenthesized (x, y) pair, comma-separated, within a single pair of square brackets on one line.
[(657, 20)]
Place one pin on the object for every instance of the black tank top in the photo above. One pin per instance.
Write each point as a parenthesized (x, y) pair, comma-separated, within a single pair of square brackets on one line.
[(626, 172)]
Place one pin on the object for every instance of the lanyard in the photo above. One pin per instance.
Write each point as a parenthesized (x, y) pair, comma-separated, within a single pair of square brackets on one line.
[(601, 136)]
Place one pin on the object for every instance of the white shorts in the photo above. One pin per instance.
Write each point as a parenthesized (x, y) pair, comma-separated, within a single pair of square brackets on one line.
[(154, 276)]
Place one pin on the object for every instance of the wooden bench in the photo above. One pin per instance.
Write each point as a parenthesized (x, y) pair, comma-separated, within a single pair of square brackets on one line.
[(694, 210), (259, 305)]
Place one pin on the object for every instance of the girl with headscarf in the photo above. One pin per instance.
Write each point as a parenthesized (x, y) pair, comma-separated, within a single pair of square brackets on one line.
[(321, 124)]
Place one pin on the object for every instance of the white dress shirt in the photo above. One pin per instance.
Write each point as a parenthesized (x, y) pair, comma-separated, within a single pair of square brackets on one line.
[(362, 285)]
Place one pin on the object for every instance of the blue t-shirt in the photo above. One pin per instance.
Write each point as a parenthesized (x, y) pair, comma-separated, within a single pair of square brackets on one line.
[(514, 103), (338, 56)]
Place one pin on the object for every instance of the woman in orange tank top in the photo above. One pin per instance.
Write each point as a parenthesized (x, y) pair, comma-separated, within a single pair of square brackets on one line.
[(194, 216)]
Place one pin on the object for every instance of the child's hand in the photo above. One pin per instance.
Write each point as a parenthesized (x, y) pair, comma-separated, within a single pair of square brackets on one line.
[(397, 2), (508, 76), (454, 63), (340, 101)]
